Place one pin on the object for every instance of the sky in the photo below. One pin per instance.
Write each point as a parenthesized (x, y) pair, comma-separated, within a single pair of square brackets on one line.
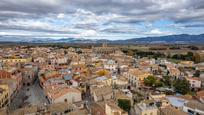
[(100, 19)]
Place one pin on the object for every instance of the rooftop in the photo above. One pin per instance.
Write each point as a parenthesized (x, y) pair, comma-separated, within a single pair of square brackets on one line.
[(195, 105), (102, 90), (177, 102), (169, 110)]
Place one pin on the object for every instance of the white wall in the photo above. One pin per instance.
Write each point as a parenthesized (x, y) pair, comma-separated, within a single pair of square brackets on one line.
[(70, 96)]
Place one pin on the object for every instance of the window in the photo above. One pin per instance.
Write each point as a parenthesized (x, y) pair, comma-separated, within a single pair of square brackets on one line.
[(190, 111), (67, 111), (65, 100)]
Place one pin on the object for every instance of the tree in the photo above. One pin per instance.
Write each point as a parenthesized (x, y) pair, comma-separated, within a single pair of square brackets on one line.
[(130, 53), (158, 83), (193, 47), (188, 56), (181, 86), (102, 73), (124, 104), (125, 51), (197, 73), (167, 81), (150, 80), (79, 52)]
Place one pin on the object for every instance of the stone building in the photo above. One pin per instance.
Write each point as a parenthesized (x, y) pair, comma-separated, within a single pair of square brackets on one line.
[(104, 49)]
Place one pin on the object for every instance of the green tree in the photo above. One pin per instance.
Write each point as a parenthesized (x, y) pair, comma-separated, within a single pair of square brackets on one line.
[(181, 86), (197, 73), (167, 81), (124, 104), (158, 83), (189, 56), (130, 52), (193, 47), (150, 80)]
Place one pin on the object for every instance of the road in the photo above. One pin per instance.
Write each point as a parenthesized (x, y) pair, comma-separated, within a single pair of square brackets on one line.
[(36, 94), (88, 98), (29, 95)]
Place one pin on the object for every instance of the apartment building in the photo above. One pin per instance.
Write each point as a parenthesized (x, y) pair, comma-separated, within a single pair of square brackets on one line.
[(4, 96), (147, 107), (136, 77)]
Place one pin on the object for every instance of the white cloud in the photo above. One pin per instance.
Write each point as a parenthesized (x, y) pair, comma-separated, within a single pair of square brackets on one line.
[(16, 33), (158, 32), (28, 23), (171, 4), (88, 33), (61, 15)]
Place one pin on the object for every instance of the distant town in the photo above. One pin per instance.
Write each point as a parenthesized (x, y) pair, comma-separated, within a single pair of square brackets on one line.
[(101, 79)]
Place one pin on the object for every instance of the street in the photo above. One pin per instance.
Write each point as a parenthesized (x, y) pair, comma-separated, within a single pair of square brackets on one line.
[(29, 95)]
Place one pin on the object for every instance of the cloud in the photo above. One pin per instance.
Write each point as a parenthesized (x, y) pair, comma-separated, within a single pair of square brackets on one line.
[(194, 25), (88, 33), (61, 15), (158, 32), (100, 17), (130, 8)]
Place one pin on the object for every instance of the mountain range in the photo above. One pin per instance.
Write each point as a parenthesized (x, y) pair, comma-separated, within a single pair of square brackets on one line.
[(170, 39)]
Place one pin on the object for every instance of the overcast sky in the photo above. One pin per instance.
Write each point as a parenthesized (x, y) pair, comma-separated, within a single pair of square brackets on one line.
[(100, 19)]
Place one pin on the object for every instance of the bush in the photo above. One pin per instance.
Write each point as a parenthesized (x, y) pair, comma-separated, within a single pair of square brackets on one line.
[(124, 104), (152, 81), (181, 86)]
